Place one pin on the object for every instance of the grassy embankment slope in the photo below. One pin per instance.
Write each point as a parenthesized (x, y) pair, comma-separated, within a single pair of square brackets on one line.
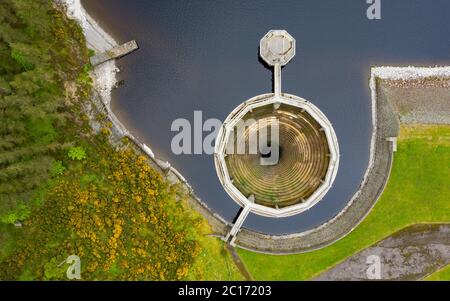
[(72, 191), (441, 275), (417, 192)]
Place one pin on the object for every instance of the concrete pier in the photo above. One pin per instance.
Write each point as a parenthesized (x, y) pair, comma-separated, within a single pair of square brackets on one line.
[(114, 53)]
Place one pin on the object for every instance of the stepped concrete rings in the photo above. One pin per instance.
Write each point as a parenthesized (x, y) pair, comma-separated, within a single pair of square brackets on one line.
[(309, 157)]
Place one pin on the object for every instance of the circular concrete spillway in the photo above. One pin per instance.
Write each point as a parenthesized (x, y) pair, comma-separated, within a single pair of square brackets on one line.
[(302, 164), (307, 161), (276, 154)]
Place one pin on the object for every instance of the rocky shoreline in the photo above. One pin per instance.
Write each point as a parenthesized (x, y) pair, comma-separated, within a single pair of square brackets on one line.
[(417, 94), (420, 104)]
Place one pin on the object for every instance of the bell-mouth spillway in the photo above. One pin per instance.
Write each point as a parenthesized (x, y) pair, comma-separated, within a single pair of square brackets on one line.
[(307, 150), (314, 157), (302, 164)]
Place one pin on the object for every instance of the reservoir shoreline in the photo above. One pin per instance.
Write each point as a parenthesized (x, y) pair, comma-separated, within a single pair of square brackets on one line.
[(318, 237)]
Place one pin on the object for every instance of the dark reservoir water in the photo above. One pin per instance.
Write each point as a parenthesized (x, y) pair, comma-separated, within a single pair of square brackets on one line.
[(203, 55)]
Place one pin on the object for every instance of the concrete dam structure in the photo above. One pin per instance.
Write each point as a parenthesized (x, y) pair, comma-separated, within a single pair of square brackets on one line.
[(293, 129)]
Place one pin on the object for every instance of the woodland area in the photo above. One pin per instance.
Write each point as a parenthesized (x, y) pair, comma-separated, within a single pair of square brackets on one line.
[(64, 189)]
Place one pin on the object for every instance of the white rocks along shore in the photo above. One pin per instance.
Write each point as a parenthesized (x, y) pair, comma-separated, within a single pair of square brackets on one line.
[(98, 40)]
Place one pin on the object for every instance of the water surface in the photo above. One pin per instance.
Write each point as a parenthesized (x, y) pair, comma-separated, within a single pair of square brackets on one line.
[(203, 55)]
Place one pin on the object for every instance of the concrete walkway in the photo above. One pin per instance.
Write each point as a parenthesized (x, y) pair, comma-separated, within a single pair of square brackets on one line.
[(410, 254)]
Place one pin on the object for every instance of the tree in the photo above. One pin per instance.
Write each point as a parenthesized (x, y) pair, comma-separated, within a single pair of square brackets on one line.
[(40, 50)]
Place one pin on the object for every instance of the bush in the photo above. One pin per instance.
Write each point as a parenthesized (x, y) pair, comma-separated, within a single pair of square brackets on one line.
[(77, 153), (21, 60), (55, 269), (128, 226), (57, 169), (20, 213)]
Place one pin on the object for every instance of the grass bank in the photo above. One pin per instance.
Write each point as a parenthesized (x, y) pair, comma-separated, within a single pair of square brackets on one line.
[(441, 275), (417, 192)]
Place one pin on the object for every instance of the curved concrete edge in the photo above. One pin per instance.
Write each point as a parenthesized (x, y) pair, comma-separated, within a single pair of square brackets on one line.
[(385, 125), (385, 130), (380, 161)]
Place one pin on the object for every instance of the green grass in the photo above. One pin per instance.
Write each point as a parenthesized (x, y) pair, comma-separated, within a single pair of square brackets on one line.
[(417, 192), (441, 275), (214, 263)]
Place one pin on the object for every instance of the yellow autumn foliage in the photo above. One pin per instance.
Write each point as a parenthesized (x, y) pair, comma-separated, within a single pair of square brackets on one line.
[(129, 222)]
